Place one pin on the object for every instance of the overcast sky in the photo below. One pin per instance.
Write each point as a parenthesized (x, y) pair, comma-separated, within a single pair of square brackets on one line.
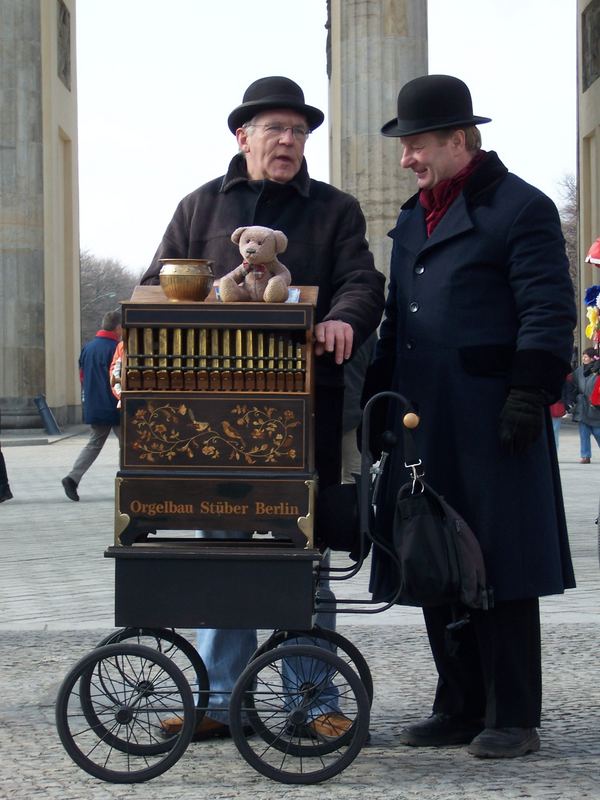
[(157, 80)]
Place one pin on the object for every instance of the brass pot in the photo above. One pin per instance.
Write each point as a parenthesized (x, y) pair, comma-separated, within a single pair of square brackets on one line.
[(186, 278)]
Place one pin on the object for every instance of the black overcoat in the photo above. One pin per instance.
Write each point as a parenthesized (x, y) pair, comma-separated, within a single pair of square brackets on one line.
[(483, 304)]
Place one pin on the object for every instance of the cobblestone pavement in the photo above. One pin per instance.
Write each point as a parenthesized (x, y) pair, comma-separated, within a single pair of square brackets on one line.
[(56, 602)]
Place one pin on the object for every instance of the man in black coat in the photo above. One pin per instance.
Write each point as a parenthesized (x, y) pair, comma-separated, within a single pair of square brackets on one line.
[(477, 334), (267, 183)]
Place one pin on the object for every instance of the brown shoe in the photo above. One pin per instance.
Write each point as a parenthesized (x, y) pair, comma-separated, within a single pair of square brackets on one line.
[(330, 726), (585, 460), (207, 728)]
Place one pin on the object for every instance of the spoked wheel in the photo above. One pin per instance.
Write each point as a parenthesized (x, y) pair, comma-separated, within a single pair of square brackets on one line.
[(110, 707), (328, 639), (175, 647), (289, 695)]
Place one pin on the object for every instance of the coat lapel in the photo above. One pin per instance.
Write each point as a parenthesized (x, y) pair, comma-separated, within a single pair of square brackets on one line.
[(410, 236), (455, 221), (413, 237)]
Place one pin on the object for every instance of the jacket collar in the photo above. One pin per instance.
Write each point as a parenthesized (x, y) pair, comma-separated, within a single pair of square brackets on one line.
[(479, 186), (237, 174), (478, 190), (102, 334)]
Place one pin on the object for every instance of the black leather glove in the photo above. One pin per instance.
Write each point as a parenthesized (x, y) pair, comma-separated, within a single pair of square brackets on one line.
[(521, 419)]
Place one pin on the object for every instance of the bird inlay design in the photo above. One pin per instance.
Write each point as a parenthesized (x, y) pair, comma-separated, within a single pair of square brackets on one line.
[(252, 435)]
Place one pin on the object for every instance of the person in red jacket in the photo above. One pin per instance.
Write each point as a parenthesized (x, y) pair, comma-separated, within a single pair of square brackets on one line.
[(560, 408)]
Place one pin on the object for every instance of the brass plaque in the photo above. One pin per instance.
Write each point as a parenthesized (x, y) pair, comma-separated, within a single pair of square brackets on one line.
[(278, 506)]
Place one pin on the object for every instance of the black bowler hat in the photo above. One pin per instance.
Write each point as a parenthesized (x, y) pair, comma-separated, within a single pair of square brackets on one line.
[(431, 103), (273, 92)]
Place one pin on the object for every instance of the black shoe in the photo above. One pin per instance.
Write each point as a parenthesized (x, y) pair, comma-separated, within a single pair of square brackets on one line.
[(5, 493), (70, 488), (505, 743), (439, 730)]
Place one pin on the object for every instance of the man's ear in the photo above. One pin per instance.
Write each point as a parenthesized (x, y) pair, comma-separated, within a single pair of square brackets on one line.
[(237, 234), (241, 135), (459, 138)]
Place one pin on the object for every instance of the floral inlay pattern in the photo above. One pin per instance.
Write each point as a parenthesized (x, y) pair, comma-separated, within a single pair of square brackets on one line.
[(253, 436)]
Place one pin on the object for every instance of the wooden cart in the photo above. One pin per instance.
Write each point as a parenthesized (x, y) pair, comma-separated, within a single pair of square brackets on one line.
[(217, 433)]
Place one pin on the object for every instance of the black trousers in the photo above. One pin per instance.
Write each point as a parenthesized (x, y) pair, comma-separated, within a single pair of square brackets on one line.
[(3, 474), (491, 668), (329, 407)]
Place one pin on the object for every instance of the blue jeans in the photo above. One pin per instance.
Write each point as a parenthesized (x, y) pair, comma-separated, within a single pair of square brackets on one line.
[(585, 434), (556, 428), (227, 651)]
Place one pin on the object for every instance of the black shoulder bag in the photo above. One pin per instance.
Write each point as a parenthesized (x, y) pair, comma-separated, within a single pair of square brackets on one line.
[(438, 557)]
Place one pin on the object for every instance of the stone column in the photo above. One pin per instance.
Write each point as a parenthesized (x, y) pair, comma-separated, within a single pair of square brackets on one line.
[(39, 248), (375, 47)]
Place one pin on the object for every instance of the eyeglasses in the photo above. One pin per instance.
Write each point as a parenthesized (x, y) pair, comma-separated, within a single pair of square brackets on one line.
[(276, 130)]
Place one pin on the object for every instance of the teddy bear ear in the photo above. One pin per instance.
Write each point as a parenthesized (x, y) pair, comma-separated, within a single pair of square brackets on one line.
[(237, 235), (281, 241)]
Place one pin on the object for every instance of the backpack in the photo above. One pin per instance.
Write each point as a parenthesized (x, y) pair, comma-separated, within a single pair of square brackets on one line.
[(438, 556)]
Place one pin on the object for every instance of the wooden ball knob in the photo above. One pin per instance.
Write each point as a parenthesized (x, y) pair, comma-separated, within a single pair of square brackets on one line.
[(410, 420)]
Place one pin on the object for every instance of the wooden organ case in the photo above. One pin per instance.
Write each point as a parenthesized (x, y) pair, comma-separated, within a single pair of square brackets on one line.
[(217, 433)]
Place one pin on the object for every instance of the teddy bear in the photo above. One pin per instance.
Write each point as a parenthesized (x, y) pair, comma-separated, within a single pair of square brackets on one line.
[(260, 276)]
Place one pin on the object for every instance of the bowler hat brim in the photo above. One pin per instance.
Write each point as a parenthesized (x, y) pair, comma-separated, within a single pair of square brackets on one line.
[(397, 127), (245, 112)]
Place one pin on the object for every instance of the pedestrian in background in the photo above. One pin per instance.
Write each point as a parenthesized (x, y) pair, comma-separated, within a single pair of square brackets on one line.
[(99, 403), (584, 413), (559, 409), (5, 492)]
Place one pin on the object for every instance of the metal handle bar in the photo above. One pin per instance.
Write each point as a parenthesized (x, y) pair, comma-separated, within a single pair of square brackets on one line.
[(368, 485)]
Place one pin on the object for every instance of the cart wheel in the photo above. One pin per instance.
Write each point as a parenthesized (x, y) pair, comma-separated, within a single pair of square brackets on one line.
[(178, 649), (328, 639), (279, 693), (109, 710)]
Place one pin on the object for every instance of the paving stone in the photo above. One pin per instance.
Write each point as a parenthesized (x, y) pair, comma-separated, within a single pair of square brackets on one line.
[(56, 603)]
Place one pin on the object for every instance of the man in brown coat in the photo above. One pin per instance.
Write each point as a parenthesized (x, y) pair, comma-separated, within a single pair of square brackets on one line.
[(267, 183)]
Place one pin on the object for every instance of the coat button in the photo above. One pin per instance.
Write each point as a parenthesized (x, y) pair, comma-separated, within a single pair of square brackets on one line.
[(413, 307), (410, 344), (419, 269)]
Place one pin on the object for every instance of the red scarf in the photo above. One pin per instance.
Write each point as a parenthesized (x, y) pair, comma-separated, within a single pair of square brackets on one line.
[(438, 200)]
